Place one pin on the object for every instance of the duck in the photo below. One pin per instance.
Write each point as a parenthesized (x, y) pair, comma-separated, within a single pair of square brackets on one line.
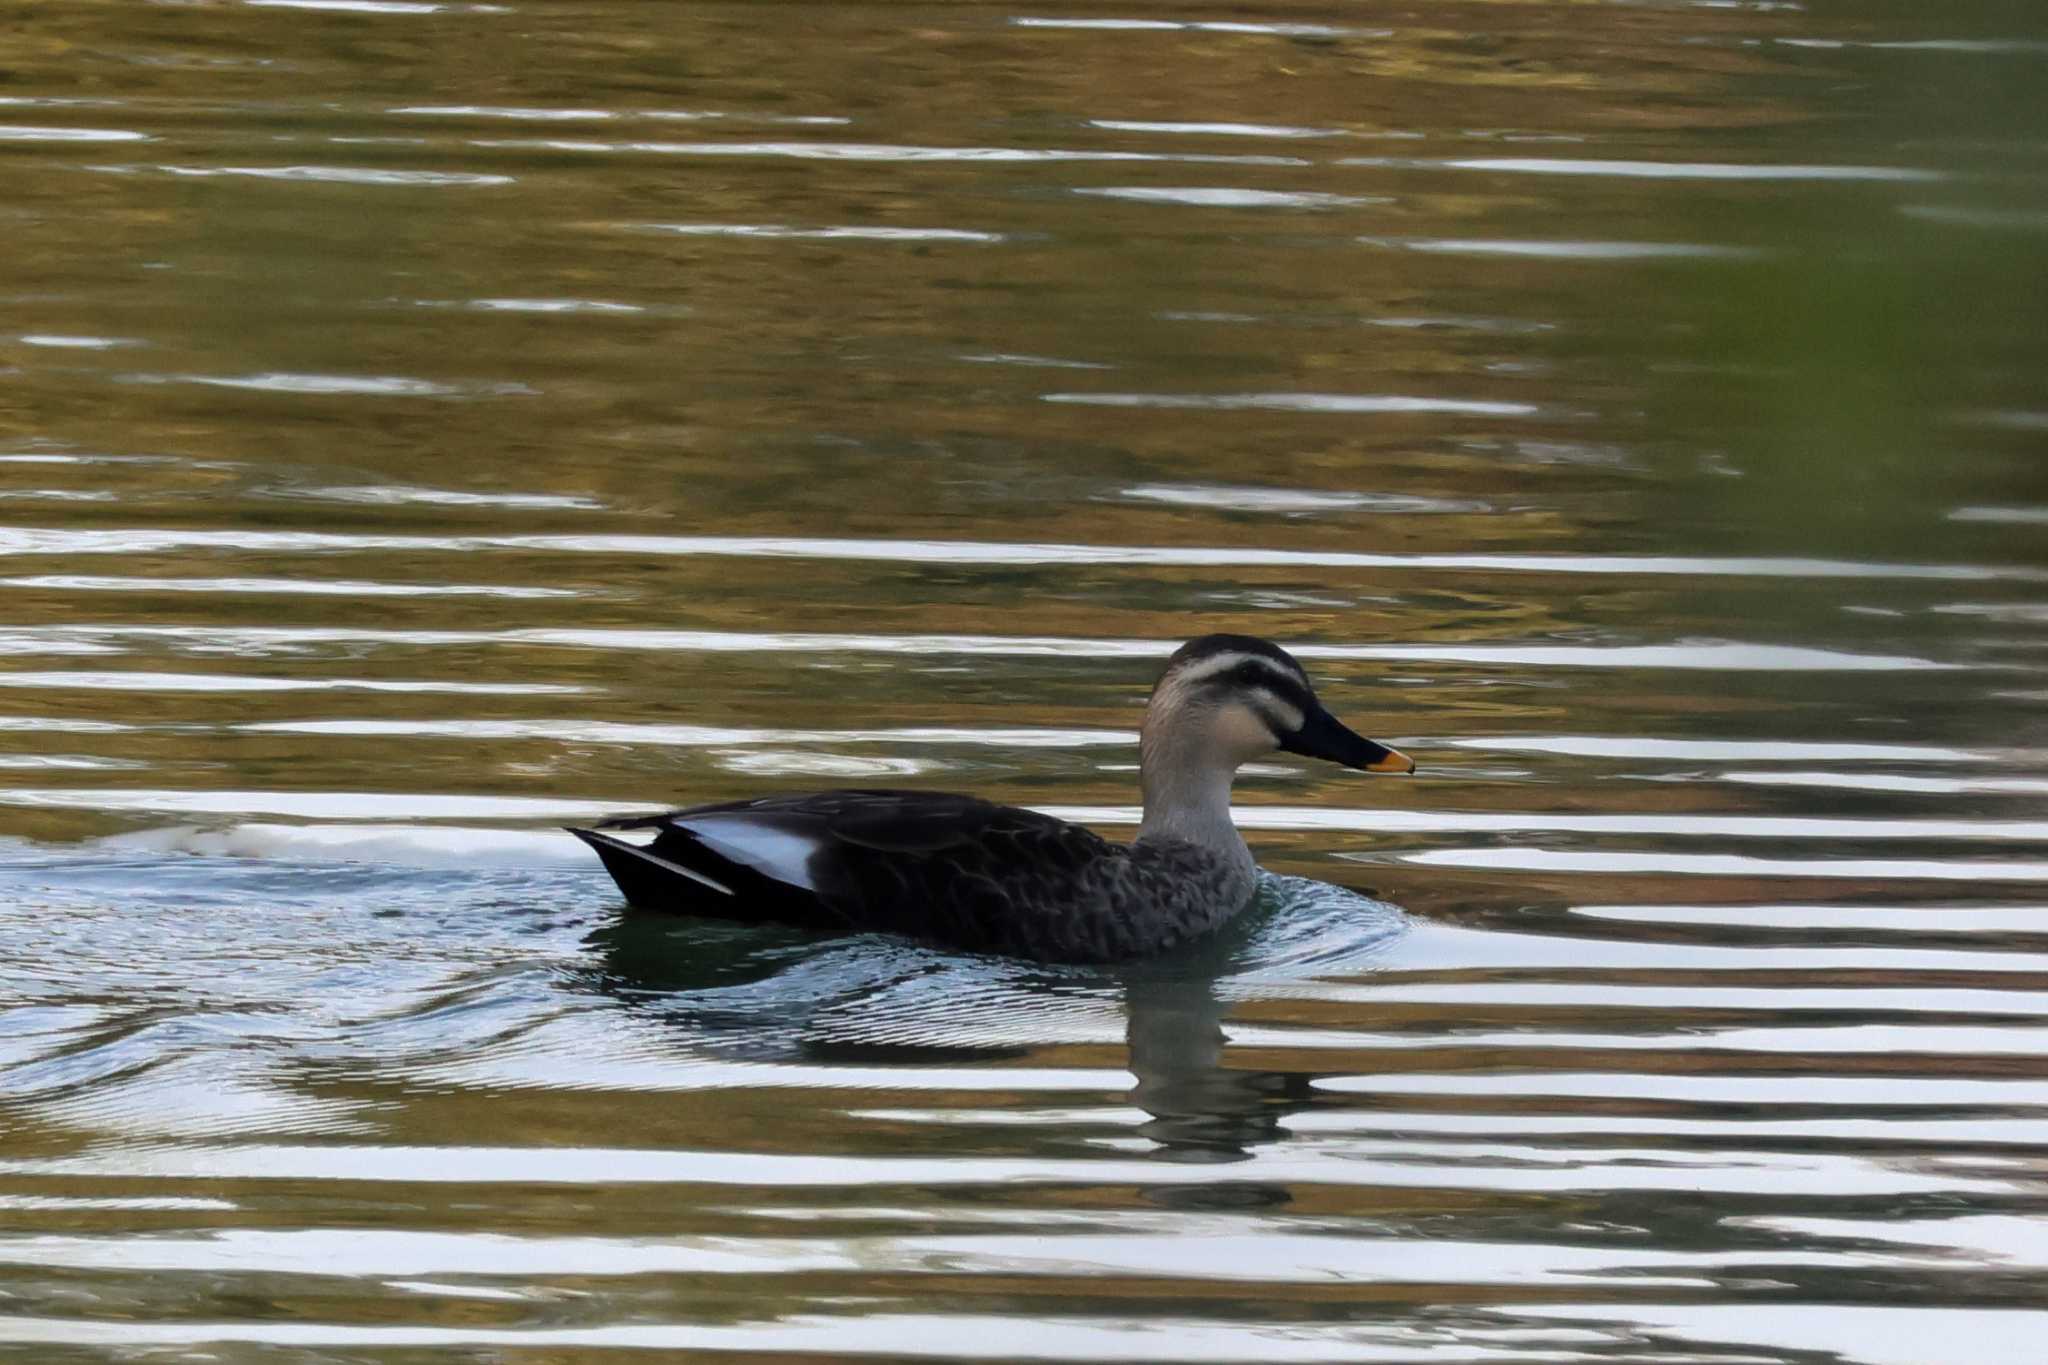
[(962, 873)]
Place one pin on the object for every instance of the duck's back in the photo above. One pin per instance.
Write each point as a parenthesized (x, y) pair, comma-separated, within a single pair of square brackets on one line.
[(937, 866)]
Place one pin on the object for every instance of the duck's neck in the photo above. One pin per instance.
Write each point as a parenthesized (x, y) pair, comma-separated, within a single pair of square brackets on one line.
[(1187, 797)]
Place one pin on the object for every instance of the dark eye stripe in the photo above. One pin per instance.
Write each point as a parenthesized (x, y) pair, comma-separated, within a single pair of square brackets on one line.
[(1277, 680), (1278, 683)]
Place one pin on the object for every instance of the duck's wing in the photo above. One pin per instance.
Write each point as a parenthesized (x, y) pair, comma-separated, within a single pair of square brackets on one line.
[(930, 864)]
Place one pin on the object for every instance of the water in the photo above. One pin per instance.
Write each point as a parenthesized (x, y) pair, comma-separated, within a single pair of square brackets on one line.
[(425, 423)]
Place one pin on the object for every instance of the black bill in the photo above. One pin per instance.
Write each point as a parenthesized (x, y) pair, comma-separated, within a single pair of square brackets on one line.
[(1322, 735)]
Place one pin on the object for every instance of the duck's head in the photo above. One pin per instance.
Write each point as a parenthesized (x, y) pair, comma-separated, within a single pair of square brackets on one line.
[(1229, 699)]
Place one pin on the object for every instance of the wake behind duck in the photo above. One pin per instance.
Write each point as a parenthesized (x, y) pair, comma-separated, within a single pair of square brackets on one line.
[(968, 873)]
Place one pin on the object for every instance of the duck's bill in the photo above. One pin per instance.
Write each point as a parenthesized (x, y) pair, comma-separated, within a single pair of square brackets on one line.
[(1323, 736)]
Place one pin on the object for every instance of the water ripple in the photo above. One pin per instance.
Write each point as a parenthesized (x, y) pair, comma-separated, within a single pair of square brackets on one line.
[(1298, 402), (1278, 30), (1664, 170), (1733, 865), (1200, 197), (397, 495), (378, 6), (138, 680), (15, 132), (1569, 250), (26, 540), (337, 175), (850, 233), (453, 428), (939, 1336), (362, 385), (314, 587), (1279, 130), (1737, 656), (881, 152)]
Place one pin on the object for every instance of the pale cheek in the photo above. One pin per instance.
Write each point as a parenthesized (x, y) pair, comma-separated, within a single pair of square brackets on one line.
[(1241, 734)]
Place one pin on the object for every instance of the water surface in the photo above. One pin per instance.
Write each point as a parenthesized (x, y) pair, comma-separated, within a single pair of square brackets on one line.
[(422, 424)]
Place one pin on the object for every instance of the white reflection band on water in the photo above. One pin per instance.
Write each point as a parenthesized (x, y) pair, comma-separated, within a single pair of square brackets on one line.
[(364, 6), (1299, 402), (692, 736), (1697, 1040), (1379, 821), (1277, 30), (396, 495), (2002, 516), (1432, 946), (147, 1203), (868, 151), (405, 805), (330, 175), (1167, 1340), (1398, 1165), (55, 541), (23, 133), (1631, 746), (1568, 251), (1729, 865), (1207, 197), (279, 382), (140, 681), (1892, 782), (317, 805), (405, 845), (543, 307), (1878, 1090), (1913, 919), (69, 342), (1729, 655), (1277, 130), (533, 114), (1656, 170), (1227, 1249), (1865, 1333), (26, 540), (1913, 1131), (314, 587), (1288, 501), (65, 725), (783, 232)]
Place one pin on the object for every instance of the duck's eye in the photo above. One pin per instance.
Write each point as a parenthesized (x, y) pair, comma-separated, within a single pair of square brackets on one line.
[(1249, 675)]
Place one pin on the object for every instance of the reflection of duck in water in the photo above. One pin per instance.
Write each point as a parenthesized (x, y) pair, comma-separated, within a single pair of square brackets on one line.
[(760, 994), (972, 874)]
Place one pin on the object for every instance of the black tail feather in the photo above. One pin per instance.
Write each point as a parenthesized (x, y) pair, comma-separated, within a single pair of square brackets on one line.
[(651, 881)]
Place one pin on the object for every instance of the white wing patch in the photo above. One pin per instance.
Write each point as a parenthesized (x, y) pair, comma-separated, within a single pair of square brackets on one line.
[(774, 853)]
